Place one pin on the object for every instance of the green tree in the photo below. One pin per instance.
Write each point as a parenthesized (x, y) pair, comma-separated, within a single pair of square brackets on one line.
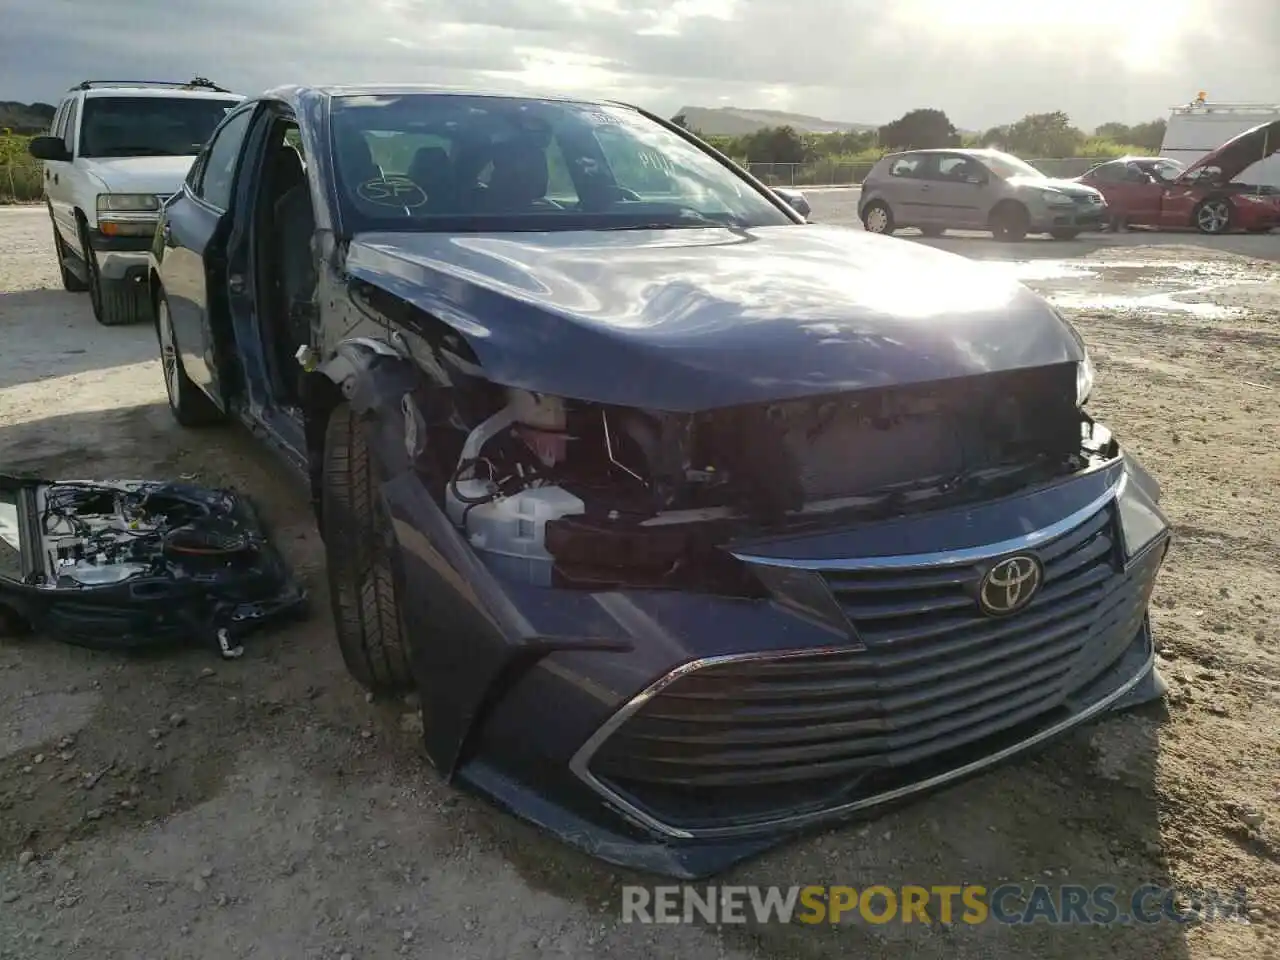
[(681, 121), (776, 145), (1148, 136), (921, 129), (1041, 135)]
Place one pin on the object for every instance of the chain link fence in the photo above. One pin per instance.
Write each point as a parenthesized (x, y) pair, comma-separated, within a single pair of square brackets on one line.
[(842, 173)]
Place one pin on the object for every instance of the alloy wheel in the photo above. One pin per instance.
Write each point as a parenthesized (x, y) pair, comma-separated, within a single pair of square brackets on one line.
[(1213, 216), (877, 220)]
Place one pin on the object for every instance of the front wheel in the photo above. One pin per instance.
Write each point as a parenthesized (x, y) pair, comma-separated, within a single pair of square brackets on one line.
[(1213, 216), (877, 218), (1010, 222), (359, 546), (187, 402), (115, 302)]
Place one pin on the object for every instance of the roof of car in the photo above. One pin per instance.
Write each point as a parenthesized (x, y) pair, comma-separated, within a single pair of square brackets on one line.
[(303, 95), (184, 92)]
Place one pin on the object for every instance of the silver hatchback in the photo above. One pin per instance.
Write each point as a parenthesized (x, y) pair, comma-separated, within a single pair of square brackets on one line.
[(936, 190)]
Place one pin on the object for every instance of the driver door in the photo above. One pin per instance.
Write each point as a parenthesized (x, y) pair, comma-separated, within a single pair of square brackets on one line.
[(956, 192), (1142, 195), (190, 260)]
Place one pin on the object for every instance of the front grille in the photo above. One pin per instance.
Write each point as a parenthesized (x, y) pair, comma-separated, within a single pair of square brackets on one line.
[(777, 735)]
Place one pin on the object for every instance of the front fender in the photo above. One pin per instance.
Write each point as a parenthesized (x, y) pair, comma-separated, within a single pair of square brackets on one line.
[(467, 640)]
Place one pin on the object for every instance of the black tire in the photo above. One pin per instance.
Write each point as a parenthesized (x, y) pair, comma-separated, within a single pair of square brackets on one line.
[(187, 402), (1010, 222), (70, 282), (933, 232), (358, 549), (878, 218), (1064, 234), (115, 302), (1212, 216)]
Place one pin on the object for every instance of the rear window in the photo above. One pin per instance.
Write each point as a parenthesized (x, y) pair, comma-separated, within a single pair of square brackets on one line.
[(149, 126), (905, 166)]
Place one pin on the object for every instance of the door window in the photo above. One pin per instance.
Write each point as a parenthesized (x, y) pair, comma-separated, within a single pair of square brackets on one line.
[(59, 120), (958, 170), (1109, 173), (69, 126), (218, 174)]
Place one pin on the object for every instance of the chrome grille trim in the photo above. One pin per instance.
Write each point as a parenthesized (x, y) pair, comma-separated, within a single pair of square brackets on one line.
[(961, 557)]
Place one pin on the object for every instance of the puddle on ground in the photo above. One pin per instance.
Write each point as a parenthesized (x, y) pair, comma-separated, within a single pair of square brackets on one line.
[(1153, 303), (1031, 270), (1157, 286)]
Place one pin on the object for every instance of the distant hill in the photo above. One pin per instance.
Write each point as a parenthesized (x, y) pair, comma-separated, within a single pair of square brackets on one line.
[(26, 117), (735, 121)]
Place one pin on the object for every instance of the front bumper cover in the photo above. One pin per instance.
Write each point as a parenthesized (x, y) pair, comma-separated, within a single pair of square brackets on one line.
[(563, 672), (121, 257)]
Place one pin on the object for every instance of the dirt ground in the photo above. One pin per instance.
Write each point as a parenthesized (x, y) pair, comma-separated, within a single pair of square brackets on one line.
[(178, 806)]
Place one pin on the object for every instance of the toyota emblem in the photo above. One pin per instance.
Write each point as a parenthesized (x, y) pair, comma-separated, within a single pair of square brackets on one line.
[(1010, 585)]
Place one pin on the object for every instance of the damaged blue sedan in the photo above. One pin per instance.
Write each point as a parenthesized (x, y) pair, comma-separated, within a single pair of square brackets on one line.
[(693, 524)]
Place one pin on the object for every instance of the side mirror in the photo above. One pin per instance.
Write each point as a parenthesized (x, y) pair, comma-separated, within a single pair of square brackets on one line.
[(48, 148), (795, 200)]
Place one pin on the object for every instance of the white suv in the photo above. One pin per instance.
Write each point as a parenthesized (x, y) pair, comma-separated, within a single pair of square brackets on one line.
[(116, 151)]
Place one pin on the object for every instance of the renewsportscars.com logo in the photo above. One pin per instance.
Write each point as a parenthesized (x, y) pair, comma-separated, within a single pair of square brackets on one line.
[(973, 904)]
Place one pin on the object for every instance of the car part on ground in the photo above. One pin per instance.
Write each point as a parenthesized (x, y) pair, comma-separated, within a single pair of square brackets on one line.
[(126, 565), (692, 527)]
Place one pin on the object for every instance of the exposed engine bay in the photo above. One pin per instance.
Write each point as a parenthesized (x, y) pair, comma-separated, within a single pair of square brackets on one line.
[(136, 563), (571, 493)]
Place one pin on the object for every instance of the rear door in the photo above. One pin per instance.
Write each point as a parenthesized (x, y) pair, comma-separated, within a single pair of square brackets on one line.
[(57, 175), (192, 261), (902, 188)]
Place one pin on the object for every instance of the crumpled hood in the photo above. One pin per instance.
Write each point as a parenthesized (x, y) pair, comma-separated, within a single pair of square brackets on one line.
[(695, 319), (156, 175), (1240, 152)]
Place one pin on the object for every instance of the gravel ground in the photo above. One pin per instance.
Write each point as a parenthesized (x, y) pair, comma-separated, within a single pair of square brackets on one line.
[(177, 806)]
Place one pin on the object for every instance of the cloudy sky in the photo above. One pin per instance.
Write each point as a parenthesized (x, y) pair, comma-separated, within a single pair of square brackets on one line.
[(983, 61)]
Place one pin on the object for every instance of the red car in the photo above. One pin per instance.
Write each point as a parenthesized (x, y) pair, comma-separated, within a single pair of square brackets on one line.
[(1159, 192)]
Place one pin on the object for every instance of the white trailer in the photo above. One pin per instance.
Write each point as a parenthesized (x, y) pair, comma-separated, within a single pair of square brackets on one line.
[(1203, 125)]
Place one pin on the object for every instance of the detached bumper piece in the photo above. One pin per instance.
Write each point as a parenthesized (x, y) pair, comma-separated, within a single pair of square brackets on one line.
[(136, 564), (932, 690)]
